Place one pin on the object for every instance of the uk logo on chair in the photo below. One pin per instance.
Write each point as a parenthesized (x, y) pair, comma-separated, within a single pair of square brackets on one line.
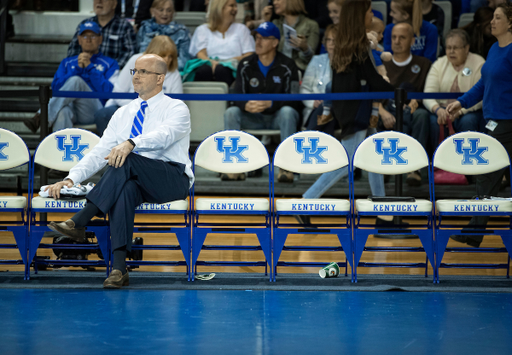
[(61, 151), (230, 152), (471, 153), (311, 152)]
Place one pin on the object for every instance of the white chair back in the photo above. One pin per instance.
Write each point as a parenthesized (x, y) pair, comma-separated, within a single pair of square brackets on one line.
[(390, 153), (471, 153), (310, 152), (231, 152), (446, 6), (63, 149), (13, 150)]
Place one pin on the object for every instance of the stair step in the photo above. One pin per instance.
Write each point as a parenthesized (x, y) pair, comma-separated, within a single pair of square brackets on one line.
[(25, 81), (13, 105), (22, 68), (46, 39), (35, 52)]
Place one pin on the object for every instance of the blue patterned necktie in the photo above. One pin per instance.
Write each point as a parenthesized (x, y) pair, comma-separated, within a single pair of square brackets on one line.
[(138, 120)]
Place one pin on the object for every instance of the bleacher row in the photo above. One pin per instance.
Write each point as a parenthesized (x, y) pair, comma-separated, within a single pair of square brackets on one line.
[(307, 152)]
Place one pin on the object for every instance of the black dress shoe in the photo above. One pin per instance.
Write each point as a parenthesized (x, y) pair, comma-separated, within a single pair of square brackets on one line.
[(33, 123), (68, 228), (255, 173)]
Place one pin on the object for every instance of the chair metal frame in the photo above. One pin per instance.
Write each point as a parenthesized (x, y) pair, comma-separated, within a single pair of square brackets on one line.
[(253, 155), (47, 154), (501, 160), (13, 154), (182, 231), (329, 155), (415, 158)]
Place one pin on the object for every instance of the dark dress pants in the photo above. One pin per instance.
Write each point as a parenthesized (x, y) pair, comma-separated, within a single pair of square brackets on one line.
[(139, 180)]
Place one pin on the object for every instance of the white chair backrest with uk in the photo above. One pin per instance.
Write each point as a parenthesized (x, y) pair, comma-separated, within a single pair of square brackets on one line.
[(62, 150), (471, 153), (391, 153), (230, 152), (14, 153), (311, 152)]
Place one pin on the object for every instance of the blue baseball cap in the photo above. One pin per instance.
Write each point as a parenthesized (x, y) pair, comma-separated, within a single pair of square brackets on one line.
[(268, 29), (90, 26)]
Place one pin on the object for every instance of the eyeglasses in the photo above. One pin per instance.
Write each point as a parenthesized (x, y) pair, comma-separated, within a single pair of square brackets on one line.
[(454, 48), (143, 72)]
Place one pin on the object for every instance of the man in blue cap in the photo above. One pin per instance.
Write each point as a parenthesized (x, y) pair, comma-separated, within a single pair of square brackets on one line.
[(88, 71), (265, 72)]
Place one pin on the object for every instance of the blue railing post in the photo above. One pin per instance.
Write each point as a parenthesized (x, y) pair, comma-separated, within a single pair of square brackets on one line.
[(44, 99)]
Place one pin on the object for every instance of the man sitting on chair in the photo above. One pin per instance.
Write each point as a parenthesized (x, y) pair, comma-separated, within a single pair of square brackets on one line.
[(146, 147), (265, 72), (88, 71)]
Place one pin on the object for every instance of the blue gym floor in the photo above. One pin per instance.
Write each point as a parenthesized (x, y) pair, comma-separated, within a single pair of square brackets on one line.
[(253, 322)]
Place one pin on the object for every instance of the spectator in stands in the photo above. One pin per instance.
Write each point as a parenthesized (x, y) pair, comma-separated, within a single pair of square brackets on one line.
[(458, 71), (434, 14), (495, 88), (270, 72), (476, 4), (119, 41), (425, 33), (410, 72), (88, 71), (479, 31), (299, 34), (219, 45), (316, 78), (162, 24), (334, 7), (162, 46), (352, 64)]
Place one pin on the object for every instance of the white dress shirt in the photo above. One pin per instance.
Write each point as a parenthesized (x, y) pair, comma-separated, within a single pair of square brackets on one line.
[(165, 136), (123, 83)]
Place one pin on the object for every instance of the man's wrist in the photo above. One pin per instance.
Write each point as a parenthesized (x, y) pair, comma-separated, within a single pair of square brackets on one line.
[(131, 142)]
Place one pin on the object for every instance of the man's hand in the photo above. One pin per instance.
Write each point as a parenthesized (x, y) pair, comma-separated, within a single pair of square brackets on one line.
[(118, 154), (387, 118), (257, 106), (413, 105), (214, 64), (54, 190), (317, 103), (84, 59)]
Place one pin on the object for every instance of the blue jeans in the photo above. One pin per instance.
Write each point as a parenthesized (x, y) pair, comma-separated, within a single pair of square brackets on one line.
[(102, 118), (63, 112), (471, 121), (327, 180), (285, 119)]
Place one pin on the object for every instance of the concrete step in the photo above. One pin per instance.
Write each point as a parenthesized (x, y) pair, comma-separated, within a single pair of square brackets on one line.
[(25, 82), (19, 105), (23, 68)]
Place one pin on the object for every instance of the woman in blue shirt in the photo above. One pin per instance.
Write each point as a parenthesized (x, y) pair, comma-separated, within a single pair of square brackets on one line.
[(425, 33), (495, 89)]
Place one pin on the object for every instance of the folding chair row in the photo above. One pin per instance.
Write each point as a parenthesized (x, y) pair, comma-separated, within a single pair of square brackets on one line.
[(313, 152)]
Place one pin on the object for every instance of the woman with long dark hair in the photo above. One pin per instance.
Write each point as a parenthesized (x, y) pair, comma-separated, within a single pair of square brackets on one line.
[(495, 90), (479, 31), (353, 71)]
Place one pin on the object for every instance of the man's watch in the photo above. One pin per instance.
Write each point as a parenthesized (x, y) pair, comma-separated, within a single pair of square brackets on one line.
[(131, 142)]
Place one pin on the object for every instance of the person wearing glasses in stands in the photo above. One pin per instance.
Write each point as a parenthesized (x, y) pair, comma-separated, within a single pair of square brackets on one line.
[(146, 146), (88, 71)]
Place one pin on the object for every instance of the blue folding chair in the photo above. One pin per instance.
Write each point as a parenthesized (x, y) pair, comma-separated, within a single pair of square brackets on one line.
[(471, 153), (310, 152), (230, 152), (391, 153), (62, 150), (14, 153), (176, 221)]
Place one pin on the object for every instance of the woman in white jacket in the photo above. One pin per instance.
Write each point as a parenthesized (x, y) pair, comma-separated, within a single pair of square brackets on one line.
[(159, 45), (457, 71)]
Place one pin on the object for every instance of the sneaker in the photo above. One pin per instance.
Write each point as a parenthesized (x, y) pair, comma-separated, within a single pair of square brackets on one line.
[(68, 228), (232, 177), (285, 176), (413, 179), (116, 279), (33, 123)]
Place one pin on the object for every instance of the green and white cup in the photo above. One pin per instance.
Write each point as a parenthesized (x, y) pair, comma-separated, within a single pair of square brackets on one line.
[(331, 270)]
